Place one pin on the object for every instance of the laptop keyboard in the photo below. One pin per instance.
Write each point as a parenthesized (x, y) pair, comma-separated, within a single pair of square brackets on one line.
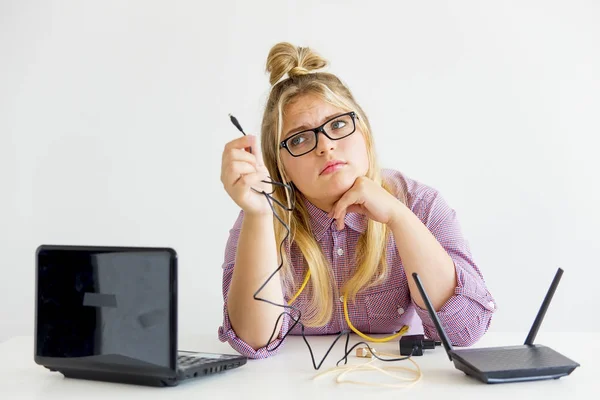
[(193, 365), (188, 361)]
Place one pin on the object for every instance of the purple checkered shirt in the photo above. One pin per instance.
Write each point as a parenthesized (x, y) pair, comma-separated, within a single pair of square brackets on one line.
[(385, 308)]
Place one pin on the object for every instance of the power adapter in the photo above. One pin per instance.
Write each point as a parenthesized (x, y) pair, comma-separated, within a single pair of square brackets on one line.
[(413, 345)]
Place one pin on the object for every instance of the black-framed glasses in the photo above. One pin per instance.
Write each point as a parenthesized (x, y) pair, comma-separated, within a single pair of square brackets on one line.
[(306, 141)]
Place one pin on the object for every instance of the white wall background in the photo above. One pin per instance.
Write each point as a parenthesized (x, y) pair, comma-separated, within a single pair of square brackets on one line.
[(113, 116)]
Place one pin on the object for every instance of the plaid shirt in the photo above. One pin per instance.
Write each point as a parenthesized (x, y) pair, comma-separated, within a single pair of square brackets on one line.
[(385, 308)]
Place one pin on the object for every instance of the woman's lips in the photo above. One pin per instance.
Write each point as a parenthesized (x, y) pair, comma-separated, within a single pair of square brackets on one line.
[(332, 168)]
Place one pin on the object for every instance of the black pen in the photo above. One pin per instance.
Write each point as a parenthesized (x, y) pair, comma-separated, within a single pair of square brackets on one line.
[(237, 125)]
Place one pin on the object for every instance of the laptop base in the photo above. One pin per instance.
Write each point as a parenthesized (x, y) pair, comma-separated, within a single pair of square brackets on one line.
[(119, 377)]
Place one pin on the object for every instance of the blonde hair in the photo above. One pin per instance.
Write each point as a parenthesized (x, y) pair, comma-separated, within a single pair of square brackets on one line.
[(298, 63)]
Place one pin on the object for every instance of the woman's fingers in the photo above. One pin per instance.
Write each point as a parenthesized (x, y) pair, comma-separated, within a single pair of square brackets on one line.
[(340, 208), (234, 171), (248, 181), (233, 155), (241, 143)]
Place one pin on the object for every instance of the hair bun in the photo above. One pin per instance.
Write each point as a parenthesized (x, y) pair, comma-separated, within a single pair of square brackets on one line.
[(285, 58)]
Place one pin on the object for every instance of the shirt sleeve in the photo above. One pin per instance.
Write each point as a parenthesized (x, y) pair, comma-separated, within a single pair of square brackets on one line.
[(226, 332), (466, 315)]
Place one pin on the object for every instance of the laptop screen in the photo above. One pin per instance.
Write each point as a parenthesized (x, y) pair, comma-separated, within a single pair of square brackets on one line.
[(114, 305)]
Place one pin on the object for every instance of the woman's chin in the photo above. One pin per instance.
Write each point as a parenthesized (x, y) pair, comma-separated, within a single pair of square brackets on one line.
[(338, 184), (331, 188)]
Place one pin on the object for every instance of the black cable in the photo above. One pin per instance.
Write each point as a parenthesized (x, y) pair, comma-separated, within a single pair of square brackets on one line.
[(297, 320)]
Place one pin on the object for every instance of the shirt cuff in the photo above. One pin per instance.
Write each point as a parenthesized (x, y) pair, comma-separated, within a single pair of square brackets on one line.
[(227, 334), (466, 315)]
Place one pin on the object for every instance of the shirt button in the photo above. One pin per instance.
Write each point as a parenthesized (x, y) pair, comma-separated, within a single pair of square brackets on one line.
[(400, 310), (341, 299), (491, 304), (340, 251)]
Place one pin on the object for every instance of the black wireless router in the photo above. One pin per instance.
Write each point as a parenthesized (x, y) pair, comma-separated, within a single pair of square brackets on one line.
[(527, 362)]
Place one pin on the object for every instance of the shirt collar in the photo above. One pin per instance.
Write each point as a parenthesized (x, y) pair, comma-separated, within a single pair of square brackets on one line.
[(320, 222)]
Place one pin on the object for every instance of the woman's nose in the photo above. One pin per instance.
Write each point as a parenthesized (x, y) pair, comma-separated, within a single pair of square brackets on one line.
[(325, 144)]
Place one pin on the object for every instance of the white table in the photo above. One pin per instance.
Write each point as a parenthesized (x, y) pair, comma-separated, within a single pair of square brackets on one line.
[(288, 374)]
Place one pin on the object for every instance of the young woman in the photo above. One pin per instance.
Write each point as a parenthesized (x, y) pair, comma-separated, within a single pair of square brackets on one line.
[(358, 232)]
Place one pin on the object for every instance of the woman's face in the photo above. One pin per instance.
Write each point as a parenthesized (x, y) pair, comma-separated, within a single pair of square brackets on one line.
[(320, 185)]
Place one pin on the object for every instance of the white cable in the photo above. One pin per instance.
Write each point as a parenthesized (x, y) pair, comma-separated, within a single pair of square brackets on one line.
[(369, 366)]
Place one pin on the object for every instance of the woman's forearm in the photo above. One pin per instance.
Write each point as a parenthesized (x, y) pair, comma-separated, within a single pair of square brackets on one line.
[(256, 258), (422, 253)]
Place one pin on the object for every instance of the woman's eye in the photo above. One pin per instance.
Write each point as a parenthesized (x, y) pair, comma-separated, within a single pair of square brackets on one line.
[(297, 140), (338, 124)]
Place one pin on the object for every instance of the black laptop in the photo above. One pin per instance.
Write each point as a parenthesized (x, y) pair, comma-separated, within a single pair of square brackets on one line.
[(110, 314), (527, 362)]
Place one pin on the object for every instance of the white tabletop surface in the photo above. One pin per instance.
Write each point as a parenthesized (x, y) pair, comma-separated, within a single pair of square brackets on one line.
[(288, 375)]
